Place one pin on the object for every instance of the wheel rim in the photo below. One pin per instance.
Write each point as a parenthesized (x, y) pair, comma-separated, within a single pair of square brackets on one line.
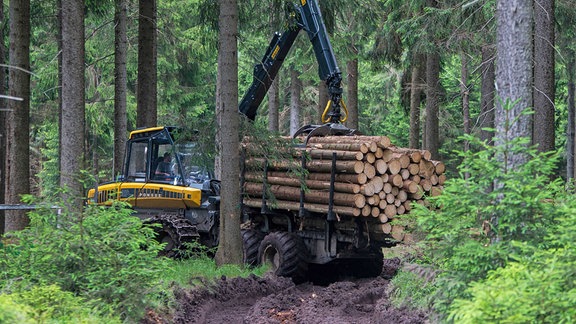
[(271, 257)]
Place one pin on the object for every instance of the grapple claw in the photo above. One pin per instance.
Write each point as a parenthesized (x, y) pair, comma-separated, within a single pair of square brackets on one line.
[(325, 130)]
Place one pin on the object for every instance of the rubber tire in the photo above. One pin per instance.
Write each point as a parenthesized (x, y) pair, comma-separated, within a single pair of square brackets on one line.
[(286, 254), (250, 243)]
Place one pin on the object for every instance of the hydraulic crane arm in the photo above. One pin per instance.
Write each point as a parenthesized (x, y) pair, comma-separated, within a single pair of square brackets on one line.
[(306, 16)]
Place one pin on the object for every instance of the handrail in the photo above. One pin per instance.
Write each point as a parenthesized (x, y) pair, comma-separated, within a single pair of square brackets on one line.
[(25, 207)]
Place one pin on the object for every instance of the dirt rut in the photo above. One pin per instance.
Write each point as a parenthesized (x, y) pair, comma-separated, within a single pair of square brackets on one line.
[(271, 299)]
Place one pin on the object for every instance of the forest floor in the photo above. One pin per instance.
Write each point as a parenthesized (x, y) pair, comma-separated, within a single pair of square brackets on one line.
[(271, 299)]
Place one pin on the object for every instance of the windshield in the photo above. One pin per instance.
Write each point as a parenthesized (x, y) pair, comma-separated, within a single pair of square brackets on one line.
[(196, 169), (165, 167)]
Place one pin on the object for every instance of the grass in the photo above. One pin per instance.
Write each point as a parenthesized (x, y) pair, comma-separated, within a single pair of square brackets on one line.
[(409, 289), (193, 271), (196, 271), (402, 251)]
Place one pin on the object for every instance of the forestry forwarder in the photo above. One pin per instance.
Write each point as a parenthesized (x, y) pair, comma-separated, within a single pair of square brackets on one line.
[(185, 201)]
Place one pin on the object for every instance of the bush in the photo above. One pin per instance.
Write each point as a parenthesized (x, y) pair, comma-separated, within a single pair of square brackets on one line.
[(104, 254), (13, 312), (49, 304), (487, 216), (539, 287)]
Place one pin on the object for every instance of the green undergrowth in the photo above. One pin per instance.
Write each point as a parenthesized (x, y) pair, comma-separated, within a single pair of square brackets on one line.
[(197, 267), (411, 290), (49, 304), (195, 271), (99, 266), (499, 242)]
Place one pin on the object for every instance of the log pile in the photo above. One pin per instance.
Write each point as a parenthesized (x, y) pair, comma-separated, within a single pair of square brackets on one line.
[(373, 179)]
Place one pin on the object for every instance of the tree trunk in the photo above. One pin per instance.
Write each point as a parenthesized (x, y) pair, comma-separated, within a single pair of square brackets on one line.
[(147, 63), (274, 104), (3, 119), (18, 147), (465, 93), (218, 137), (514, 74), (59, 44), (295, 90), (432, 104), (322, 99), (230, 247), (571, 127), (487, 95), (352, 103), (544, 91), (417, 82), (514, 84), (73, 111), (120, 84)]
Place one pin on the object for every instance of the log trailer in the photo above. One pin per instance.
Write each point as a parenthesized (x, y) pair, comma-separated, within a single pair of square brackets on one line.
[(186, 201)]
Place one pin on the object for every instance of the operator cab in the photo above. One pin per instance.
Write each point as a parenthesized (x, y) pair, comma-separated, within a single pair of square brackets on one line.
[(153, 156), (158, 174)]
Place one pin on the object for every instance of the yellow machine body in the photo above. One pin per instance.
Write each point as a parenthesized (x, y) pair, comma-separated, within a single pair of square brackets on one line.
[(148, 195)]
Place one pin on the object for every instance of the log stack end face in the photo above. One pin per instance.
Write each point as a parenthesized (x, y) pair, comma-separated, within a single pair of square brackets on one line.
[(373, 179)]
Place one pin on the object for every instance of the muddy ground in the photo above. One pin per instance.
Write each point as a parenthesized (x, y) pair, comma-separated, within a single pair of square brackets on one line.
[(271, 299)]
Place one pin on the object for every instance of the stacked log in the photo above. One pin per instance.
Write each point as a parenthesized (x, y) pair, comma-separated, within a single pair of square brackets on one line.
[(373, 179)]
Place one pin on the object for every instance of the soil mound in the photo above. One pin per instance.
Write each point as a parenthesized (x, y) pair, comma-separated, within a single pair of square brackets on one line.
[(272, 299)]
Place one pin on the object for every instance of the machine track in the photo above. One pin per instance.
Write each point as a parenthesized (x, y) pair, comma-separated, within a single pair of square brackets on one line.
[(175, 231)]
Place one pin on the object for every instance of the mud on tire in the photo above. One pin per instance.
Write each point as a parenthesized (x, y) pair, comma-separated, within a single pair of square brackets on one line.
[(286, 254), (251, 242)]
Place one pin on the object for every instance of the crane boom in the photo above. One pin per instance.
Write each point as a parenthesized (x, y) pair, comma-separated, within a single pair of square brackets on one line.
[(306, 16)]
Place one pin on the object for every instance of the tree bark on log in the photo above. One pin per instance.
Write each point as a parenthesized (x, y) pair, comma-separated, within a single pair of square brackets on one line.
[(352, 178), (314, 165), (292, 205), (313, 196), (340, 155), (354, 147), (310, 184), (380, 141)]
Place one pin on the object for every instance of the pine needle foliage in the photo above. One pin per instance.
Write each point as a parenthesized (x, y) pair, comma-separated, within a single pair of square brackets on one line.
[(49, 304), (491, 228), (106, 255)]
